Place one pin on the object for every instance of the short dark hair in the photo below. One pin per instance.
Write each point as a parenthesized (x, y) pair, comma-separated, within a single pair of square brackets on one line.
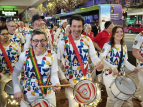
[(3, 28), (113, 33), (77, 17), (37, 32)]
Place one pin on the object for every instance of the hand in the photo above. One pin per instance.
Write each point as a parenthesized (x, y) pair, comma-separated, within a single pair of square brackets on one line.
[(99, 66), (19, 95), (65, 81), (115, 71), (56, 88), (136, 70)]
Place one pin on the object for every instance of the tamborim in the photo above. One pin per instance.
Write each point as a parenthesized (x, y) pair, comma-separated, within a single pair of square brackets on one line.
[(121, 89), (86, 92), (41, 103), (9, 87)]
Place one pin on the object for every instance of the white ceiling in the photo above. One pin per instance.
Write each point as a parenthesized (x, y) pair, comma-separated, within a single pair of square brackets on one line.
[(19, 5)]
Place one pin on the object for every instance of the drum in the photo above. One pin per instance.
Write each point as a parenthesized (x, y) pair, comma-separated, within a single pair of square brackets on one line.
[(88, 92), (121, 89), (9, 87), (41, 103)]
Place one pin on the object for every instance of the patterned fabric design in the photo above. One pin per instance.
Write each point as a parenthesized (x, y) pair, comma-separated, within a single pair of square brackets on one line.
[(30, 80), (23, 31), (72, 67), (113, 57), (12, 53), (16, 38), (141, 53)]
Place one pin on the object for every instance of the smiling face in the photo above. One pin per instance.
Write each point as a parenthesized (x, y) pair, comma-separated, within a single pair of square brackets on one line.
[(119, 34), (88, 30), (11, 27), (39, 42), (76, 28)]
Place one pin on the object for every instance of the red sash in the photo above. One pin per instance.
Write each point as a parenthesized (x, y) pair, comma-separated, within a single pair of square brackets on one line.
[(77, 55), (6, 58)]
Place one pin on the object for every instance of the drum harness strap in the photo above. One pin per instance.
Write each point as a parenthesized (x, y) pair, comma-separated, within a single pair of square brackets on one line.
[(119, 66), (6, 58), (37, 72), (78, 55)]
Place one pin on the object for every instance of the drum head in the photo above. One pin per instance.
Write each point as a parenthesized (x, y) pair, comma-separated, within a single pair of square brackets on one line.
[(126, 88), (41, 103), (87, 92), (9, 87)]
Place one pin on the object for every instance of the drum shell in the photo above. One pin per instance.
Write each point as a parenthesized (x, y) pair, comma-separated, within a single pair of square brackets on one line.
[(115, 91)]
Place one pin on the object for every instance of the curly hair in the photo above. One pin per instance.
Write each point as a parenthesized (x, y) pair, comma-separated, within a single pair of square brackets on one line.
[(113, 33)]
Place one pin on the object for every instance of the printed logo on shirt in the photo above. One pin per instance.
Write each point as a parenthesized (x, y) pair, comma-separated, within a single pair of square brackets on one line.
[(102, 50), (135, 42)]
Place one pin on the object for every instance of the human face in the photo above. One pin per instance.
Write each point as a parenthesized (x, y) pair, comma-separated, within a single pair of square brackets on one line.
[(4, 35), (68, 29), (118, 35), (88, 30), (65, 24), (11, 27), (110, 27), (21, 24), (76, 28), (2, 24), (39, 42), (38, 23)]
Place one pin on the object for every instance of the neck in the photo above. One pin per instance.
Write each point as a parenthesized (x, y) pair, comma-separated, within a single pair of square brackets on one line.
[(75, 37), (37, 27), (107, 30), (5, 43), (117, 42), (39, 53)]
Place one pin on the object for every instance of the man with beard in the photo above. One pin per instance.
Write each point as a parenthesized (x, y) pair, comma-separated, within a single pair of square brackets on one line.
[(37, 24)]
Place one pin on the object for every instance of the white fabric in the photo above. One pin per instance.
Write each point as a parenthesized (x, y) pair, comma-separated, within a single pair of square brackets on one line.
[(19, 67), (63, 21), (57, 34)]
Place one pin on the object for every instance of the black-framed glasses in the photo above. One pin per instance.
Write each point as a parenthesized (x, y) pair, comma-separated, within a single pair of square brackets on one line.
[(12, 26), (4, 34), (37, 41)]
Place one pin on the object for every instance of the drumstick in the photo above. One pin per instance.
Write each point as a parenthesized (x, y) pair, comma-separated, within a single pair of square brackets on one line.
[(25, 102), (67, 85), (95, 67), (76, 90), (123, 79), (134, 71)]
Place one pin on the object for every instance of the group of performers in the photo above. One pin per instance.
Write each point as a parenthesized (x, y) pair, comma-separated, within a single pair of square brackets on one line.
[(40, 53)]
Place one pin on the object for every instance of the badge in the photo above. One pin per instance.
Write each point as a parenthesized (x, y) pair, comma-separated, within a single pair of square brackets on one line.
[(135, 42)]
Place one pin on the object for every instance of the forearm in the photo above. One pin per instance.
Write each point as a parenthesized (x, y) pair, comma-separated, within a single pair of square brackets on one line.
[(129, 66), (96, 46)]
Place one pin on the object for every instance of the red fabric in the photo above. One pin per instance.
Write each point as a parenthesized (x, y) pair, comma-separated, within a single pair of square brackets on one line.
[(52, 35), (102, 38), (91, 36)]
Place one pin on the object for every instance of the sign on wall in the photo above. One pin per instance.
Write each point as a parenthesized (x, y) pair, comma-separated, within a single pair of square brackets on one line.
[(8, 13)]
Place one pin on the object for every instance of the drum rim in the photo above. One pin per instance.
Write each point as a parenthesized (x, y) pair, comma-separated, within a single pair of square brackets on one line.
[(95, 92), (119, 98), (123, 92), (40, 99), (5, 87)]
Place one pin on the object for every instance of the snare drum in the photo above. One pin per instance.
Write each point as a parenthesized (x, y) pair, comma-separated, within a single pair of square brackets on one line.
[(88, 89), (9, 87), (122, 90), (41, 103)]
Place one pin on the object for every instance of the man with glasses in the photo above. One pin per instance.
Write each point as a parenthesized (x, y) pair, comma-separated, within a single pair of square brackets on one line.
[(12, 50), (37, 24), (15, 36)]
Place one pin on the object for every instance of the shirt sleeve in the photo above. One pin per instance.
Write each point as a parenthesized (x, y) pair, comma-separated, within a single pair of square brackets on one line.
[(22, 39), (27, 44), (98, 38), (54, 68), (16, 73), (93, 53), (138, 41), (60, 50), (104, 53)]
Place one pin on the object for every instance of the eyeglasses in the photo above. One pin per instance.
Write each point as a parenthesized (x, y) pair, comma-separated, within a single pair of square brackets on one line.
[(4, 34), (12, 26), (37, 41)]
